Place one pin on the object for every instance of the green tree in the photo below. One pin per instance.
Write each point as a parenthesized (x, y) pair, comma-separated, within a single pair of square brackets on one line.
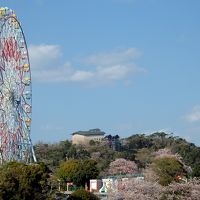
[(139, 141), (77, 171), (90, 170), (159, 140), (144, 157), (167, 169), (188, 151), (196, 170), (83, 195), (19, 181), (70, 171), (52, 154)]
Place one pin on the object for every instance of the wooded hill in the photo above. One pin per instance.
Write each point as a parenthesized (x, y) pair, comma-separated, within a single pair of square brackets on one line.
[(138, 148)]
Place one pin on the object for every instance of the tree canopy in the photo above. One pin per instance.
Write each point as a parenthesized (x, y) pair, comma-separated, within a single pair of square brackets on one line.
[(138, 148), (77, 171), (82, 194), (168, 169), (19, 181)]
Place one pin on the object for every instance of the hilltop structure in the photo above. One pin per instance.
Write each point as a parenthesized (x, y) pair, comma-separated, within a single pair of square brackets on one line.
[(84, 137)]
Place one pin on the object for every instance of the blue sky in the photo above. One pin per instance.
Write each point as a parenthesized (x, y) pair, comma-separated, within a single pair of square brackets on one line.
[(124, 66)]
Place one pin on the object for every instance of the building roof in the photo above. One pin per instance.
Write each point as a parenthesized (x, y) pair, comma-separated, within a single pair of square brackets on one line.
[(90, 132)]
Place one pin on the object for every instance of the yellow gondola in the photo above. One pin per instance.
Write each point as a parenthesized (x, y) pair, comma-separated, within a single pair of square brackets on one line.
[(26, 67)]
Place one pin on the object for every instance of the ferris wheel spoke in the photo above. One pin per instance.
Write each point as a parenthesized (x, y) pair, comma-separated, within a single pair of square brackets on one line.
[(7, 81)]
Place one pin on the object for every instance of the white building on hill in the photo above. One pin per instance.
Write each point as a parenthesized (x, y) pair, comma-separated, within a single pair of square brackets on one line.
[(84, 137)]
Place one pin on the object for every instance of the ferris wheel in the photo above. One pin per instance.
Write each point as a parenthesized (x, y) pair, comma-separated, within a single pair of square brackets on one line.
[(15, 92)]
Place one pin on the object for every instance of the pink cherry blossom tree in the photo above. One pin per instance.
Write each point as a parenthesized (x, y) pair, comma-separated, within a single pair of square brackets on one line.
[(122, 166), (145, 190), (185, 191), (138, 190)]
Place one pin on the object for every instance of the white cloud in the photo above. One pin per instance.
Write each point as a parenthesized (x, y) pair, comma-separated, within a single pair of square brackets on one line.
[(115, 57), (44, 55), (194, 116), (117, 72), (81, 75), (103, 67), (63, 73)]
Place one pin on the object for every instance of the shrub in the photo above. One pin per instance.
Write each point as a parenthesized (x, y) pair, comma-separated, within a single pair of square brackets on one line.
[(83, 195)]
